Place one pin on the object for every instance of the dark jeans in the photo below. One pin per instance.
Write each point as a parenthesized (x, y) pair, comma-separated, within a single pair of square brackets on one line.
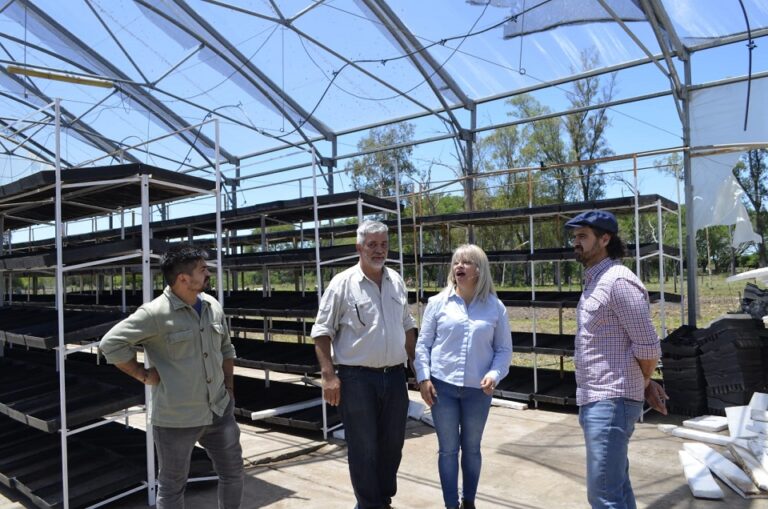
[(374, 408), (221, 441)]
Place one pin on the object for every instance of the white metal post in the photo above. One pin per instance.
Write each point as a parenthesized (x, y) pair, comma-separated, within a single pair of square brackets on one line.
[(61, 354), (534, 317), (399, 224), (318, 273), (220, 266), (680, 250), (662, 297), (123, 303), (637, 217), (146, 276)]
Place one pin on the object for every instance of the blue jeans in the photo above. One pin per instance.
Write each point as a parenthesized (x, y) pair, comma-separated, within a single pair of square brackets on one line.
[(374, 409), (607, 426), (220, 439), (459, 414)]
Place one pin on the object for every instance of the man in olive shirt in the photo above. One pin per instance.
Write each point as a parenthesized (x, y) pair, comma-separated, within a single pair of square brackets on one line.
[(186, 340)]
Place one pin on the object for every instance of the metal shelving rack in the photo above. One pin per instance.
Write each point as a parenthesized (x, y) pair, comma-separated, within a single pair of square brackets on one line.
[(91, 192), (555, 344)]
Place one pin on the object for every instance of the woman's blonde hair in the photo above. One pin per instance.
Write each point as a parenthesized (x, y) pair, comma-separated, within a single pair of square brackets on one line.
[(474, 254)]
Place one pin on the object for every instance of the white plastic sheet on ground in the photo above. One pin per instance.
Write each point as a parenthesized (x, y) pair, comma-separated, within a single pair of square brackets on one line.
[(717, 118)]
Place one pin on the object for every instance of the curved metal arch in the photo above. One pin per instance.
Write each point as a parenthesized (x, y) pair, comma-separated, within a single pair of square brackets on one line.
[(84, 129), (272, 90), (411, 45), (351, 63), (30, 140), (127, 86)]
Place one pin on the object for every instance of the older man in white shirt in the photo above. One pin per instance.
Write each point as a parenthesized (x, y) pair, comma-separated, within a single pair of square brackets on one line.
[(364, 313)]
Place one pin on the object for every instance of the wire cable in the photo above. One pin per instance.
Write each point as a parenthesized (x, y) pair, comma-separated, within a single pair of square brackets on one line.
[(751, 46), (409, 54)]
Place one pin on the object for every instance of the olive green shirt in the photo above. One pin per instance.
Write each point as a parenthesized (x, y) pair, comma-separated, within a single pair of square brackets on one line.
[(187, 350)]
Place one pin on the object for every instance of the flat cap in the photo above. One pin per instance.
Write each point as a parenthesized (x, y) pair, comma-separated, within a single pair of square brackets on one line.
[(596, 219)]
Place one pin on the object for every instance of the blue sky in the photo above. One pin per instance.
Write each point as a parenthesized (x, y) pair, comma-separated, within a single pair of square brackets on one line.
[(482, 65)]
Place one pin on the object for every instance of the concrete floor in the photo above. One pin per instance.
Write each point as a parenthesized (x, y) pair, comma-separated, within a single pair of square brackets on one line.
[(532, 459)]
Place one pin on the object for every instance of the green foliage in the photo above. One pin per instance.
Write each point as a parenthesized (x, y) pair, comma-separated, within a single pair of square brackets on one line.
[(671, 164), (375, 172), (752, 172), (587, 129)]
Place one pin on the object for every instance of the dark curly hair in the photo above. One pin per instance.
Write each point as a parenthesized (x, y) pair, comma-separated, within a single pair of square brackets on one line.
[(180, 259), (616, 248)]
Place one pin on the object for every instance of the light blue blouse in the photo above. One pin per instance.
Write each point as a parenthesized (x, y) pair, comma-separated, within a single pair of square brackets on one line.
[(461, 345)]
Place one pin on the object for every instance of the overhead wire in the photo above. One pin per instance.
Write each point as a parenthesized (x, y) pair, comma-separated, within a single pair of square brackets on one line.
[(383, 61), (420, 83), (751, 46), (457, 49)]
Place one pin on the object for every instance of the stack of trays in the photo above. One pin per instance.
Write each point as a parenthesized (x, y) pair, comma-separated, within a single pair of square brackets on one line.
[(732, 356), (683, 373)]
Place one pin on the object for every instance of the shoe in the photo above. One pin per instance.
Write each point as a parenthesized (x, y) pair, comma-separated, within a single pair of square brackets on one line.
[(466, 504)]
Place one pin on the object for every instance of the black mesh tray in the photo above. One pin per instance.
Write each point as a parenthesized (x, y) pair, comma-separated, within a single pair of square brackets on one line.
[(554, 386), (103, 461), (279, 303), (38, 327), (285, 327), (276, 355), (550, 344), (29, 393), (252, 395)]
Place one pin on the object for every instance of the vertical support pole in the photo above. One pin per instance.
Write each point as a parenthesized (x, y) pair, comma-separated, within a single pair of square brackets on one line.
[(636, 194), (680, 249), (219, 265), (318, 272), (693, 295), (420, 292), (662, 297), (147, 295), (235, 273), (399, 224), (470, 161), (123, 306), (332, 165), (62, 351), (531, 249), (2, 251)]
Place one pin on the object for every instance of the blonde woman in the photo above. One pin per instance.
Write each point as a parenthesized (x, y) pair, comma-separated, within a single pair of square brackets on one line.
[(464, 349)]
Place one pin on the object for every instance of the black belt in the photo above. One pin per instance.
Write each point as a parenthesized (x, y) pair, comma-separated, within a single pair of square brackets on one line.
[(385, 369)]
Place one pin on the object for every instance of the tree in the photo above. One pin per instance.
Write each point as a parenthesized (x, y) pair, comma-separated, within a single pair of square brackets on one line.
[(544, 146), (671, 164), (751, 172), (718, 240), (587, 129), (374, 173)]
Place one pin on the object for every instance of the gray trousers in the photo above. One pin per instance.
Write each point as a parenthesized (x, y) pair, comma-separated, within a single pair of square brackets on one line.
[(220, 439)]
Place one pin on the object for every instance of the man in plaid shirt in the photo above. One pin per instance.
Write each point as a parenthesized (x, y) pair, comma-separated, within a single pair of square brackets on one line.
[(617, 350)]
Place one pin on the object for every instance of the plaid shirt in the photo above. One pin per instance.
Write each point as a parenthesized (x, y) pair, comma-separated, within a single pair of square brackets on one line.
[(614, 330)]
